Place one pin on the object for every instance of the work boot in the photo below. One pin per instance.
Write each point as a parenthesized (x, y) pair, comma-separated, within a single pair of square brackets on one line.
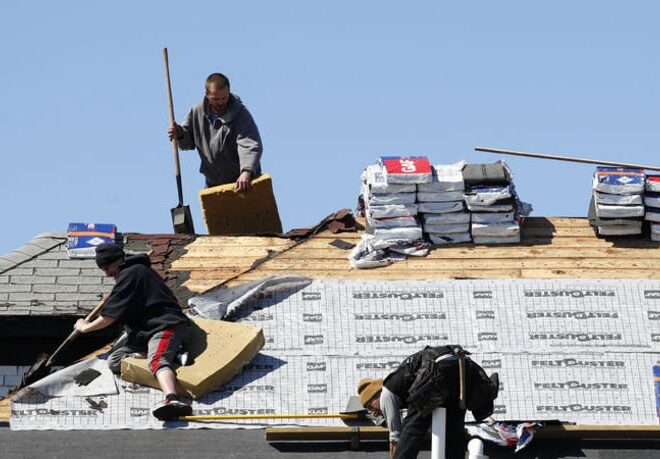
[(172, 409)]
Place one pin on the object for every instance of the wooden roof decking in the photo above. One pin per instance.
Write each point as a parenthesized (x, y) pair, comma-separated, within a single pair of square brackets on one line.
[(550, 249)]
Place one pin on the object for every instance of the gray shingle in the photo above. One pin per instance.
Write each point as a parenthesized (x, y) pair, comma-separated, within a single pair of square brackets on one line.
[(20, 271), (32, 279), (32, 297), (42, 309), (77, 297), (15, 257), (40, 263), (18, 288), (54, 255), (30, 250), (108, 281), (77, 264), (57, 272), (54, 288), (79, 280), (66, 308), (91, 272), (4, 279), (4, 297), (94, 288)]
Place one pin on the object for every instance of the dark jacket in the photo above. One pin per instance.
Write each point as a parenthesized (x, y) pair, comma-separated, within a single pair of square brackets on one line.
[(227, 145), (142, 301)]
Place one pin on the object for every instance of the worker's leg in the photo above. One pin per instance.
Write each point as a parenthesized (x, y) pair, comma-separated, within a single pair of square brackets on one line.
[(160, 359), (456, 443), (116, 356), (167, 380), (413, 435)]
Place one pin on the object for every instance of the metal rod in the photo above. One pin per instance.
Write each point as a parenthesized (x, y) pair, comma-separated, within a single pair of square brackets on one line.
[(238, 417), (566, 158)]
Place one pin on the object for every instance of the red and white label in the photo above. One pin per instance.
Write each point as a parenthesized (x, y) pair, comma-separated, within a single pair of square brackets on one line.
[(407, 165)]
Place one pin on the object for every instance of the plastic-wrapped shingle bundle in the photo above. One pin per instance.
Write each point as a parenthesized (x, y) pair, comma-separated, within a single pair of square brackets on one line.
[(393, 229), (491, 198), (652, 203), (441, 206), (617, 206)]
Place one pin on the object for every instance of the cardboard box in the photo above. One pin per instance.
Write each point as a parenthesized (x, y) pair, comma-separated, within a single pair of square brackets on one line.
[(233, 213), (219, 349), (83, 238)]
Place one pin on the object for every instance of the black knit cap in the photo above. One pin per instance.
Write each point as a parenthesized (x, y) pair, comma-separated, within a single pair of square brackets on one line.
[(107, 253)]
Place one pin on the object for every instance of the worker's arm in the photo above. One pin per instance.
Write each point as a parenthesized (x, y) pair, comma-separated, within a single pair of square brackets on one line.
[(84, 326)]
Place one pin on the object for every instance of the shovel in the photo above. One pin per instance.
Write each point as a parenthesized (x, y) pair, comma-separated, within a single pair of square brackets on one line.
[(41, 367), (181, 218)]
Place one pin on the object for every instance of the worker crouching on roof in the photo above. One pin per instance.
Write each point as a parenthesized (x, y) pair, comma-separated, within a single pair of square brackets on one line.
[(424, 381), (154, 322)]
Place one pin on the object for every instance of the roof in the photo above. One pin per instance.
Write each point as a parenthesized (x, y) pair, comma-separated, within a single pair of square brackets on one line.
[(551, 248), (39, 278)]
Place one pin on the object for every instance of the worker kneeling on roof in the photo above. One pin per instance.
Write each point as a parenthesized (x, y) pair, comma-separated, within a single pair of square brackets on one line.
[(154, 322), (424, 381)]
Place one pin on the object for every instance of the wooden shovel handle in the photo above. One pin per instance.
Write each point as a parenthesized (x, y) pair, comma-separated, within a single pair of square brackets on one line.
[(74, 334), (175, 145)]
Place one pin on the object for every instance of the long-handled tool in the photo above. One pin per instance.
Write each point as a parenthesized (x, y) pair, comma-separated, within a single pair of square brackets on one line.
[(241, 417), (41, 367), (565, 158), (181, 217), (222, 417)]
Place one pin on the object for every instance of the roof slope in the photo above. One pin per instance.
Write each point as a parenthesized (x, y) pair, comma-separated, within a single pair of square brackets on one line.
[(550, 248)]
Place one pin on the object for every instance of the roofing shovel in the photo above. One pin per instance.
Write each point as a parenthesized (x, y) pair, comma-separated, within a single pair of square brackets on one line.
[(181, 218), (41, 367)]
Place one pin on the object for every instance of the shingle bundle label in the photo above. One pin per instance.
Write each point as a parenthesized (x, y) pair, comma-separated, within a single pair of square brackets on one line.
[(407, 169)]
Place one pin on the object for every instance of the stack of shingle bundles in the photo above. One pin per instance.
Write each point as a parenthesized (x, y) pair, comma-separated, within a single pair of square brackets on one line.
[(491, 198), (393, 229), (652, 202), (617, 201), (441, 206)]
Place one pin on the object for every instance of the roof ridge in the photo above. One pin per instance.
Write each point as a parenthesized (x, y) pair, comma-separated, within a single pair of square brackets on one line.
[(40, 244)]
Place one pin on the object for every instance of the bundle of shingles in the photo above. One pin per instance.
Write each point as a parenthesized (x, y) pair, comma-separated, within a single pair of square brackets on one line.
[(441, 206), (491, 197), (617, 205), (388, 194), (652, 202)]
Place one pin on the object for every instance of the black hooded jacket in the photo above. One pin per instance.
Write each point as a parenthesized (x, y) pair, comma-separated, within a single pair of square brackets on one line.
[(142, 301)]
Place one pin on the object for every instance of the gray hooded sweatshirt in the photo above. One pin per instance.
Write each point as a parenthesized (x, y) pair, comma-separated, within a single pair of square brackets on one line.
[(226, 146)]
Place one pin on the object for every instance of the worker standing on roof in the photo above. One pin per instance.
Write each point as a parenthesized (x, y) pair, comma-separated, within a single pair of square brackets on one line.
[(225, 135), (154, 322), (424, 381)]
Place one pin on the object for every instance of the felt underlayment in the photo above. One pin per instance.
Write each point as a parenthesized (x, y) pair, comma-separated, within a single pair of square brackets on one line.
[(582, 351)]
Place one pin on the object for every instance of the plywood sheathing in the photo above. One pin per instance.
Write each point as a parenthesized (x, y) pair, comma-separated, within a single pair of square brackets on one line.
[(551, 248)]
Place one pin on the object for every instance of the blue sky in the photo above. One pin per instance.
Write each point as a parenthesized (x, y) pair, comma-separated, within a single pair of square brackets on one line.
[(332, 86)]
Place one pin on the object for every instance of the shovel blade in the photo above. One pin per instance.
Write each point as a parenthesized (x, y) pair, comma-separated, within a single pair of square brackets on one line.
[(182, 220)]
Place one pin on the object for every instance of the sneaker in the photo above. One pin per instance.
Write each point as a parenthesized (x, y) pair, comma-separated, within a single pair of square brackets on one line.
[(172, 409)]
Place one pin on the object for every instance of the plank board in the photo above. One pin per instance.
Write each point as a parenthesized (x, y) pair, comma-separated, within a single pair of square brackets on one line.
[(552, 248)]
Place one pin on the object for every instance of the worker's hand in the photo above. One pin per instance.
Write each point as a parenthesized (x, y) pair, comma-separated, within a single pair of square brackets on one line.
[(173, 130), (81, 325), (244, 181)]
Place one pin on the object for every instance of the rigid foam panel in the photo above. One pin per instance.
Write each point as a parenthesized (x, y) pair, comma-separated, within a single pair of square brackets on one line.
[(230, 212), (219, 350)]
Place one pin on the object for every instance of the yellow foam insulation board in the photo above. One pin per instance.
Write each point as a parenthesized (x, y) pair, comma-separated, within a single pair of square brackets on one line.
[(219, 350), (234, 213)]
